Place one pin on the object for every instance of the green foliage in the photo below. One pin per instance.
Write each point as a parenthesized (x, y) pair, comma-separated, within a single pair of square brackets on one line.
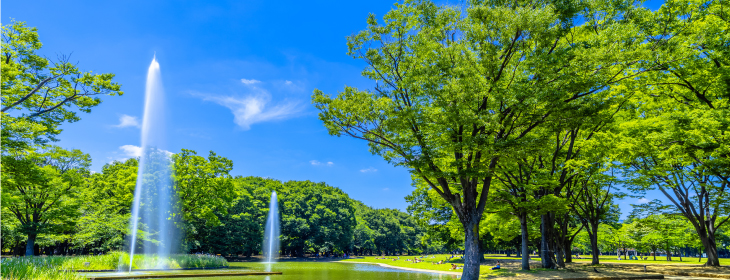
[(203, 185), (316, 216), (106, 206), (240, 230), (675, 137), (40, 189), (39, 94), (464, 93)]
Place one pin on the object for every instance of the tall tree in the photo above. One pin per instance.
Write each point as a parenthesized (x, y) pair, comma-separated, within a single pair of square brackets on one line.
[(684, 152), (40, 189), (39, 94), (458, 89)]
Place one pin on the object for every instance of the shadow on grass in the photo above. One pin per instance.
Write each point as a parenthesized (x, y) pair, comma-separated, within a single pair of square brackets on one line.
[(498, 273)]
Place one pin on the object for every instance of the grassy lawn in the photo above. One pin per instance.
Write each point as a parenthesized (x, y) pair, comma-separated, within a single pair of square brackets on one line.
[(613, 259), (511, 270), (428, 263)]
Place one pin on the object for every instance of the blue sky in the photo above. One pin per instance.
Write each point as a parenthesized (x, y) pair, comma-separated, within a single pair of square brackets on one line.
[(238, 76)]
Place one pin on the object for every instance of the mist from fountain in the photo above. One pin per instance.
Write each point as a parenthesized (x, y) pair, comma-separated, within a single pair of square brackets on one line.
[(271, 232), (153, 194)]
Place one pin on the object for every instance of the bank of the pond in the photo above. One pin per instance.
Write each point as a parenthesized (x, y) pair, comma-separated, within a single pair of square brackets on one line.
[(429, 263), (308, 270), (452, 272), (42, 268)]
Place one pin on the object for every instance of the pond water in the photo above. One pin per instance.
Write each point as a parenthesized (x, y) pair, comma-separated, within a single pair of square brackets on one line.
[(312, 271)]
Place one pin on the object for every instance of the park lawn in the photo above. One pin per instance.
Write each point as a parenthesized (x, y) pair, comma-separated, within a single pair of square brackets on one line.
[(613, 259), (428, 264), (650, 260)]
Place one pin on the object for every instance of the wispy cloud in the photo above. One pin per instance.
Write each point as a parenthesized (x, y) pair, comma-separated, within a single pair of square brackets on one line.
[(643, 200), (127, 121), (287, 82), (255, 109), (316, 162), (386, 189), (250, 82), (369, 169)]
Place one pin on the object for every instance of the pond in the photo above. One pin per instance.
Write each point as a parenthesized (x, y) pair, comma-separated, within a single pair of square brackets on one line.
[(310, 271)]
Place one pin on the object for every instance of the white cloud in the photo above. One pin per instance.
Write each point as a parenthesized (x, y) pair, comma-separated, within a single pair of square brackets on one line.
[(249, 82), (254, 109), (287, 82), (643, 200), (131, 151), (316, 162), (386, 189), (127, 121), (370, 169)]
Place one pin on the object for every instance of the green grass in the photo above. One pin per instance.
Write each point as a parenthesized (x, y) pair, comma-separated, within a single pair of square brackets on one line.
[(427, 263), (35, 268), (46, 268), (486, 272), (614, 259)]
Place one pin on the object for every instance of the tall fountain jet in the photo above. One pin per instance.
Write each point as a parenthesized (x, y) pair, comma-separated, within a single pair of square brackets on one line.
[(153, 195), (271, 233)]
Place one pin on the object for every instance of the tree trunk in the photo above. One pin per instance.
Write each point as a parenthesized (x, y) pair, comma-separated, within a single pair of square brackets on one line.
[(471, 249), (30, 244), (699, 253), (568, 248), (710, 249), (666, 250), (525, 249), (594, 247), (560, 258), (654, 254), (545, 252)]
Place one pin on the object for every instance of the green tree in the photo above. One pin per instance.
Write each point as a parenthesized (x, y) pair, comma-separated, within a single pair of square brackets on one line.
[(204, 189), (676, 139), (592, 202), (105, 207), (315, 216), (459, 89), (240, 230), (434, 215), (363, 237), (39, 94), (40, 190)]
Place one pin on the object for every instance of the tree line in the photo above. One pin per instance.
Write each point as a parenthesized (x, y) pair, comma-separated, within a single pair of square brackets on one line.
[(215, 212)]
